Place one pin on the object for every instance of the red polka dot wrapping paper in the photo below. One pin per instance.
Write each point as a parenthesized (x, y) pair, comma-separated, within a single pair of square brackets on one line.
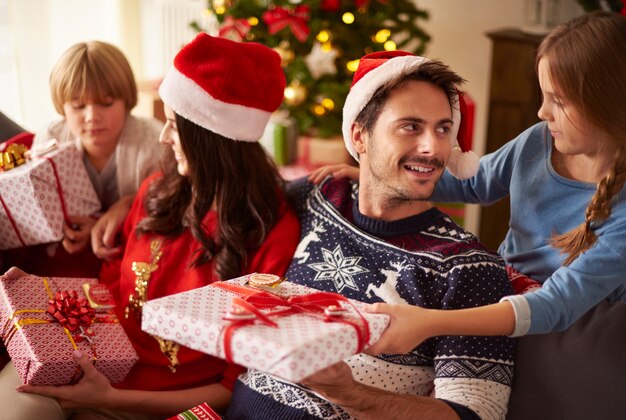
[(43, 353)]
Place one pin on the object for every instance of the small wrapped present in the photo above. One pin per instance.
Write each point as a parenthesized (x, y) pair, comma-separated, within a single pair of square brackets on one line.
[(316, 151), (37, 197), (280, 138), (199, 412), (45, 319), (288, 330)]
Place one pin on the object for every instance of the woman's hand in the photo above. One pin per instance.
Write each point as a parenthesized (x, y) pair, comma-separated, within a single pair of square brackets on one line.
[(76, 237), (409, 327), (104, 232), (93, 390), (341, 170)]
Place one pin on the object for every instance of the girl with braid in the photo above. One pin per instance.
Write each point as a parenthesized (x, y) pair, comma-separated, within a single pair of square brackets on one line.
[(565, 180)]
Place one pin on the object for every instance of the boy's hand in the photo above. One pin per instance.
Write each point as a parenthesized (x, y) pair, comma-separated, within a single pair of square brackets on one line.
[(76, 237), (103, 234)]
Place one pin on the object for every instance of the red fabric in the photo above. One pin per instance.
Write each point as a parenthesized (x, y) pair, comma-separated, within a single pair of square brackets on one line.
[(173, 275), (24, 138), (373, 60), (521, 283), (52, 260), (226, 79), (467, 107)]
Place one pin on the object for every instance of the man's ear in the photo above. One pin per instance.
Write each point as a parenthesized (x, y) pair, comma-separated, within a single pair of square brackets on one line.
[(358, 135)]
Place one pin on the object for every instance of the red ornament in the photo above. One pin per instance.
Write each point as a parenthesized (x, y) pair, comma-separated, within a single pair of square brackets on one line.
[(623, 12), (330, 5), (280, 17)]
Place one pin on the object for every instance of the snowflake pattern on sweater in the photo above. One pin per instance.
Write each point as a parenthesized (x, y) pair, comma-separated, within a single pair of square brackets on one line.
[(424, 260)]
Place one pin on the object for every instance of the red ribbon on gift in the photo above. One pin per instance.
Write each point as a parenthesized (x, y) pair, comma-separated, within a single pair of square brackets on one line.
[(313, 304), (66, 216), (280, 17), (73, 313), (240, 26)]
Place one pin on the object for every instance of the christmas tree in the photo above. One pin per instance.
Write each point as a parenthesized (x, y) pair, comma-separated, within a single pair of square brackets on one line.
[(320, 43)]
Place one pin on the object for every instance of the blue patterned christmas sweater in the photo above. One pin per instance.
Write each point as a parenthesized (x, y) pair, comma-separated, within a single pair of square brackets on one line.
[(425, 260)]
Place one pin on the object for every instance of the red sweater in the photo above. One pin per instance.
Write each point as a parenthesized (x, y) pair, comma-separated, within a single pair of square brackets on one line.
[(173, 275)]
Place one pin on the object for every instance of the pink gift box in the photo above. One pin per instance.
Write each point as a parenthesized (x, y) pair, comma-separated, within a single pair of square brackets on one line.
[(31, 209), (299, 346), (41, 349)]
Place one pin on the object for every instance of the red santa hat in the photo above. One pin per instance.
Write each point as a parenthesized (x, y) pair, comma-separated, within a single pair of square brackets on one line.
[(228, 87), (378, 68)]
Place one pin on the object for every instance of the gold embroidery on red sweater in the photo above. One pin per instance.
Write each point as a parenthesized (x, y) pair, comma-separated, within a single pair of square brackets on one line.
[(143, 271)]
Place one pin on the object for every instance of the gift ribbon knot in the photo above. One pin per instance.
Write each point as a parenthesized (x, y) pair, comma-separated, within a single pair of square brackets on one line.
[(280, 17), (265, 306), (240, 26), (72, 312)]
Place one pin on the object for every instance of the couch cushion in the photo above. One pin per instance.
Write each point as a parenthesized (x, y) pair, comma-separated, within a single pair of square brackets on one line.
[(576, 374)]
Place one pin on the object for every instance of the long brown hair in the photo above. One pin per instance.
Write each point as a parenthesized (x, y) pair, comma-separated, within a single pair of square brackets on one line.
[(587, 59), (237, 175)]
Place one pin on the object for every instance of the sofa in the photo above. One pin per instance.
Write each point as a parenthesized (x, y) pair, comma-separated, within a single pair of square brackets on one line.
[(576, 374)]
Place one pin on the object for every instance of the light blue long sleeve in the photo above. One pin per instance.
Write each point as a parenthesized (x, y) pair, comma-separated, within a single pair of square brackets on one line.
[(543, 202)]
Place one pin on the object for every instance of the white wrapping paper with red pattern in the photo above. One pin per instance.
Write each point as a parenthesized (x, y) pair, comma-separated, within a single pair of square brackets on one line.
[(30, 206), (299, 346), (43, 353)]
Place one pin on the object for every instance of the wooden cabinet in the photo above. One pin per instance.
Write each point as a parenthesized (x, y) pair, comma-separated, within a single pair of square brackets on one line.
[(514, 100)]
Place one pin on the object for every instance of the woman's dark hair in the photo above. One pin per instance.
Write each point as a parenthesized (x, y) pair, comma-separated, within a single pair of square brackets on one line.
[(237, 176)]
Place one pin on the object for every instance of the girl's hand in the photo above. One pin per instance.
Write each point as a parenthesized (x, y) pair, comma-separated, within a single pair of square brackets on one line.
[(93, 390), (341, 170), (103, 234), (76, 237), (408, 328)]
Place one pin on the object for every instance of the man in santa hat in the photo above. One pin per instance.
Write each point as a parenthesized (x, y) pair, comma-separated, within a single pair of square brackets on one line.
[(380, 240)]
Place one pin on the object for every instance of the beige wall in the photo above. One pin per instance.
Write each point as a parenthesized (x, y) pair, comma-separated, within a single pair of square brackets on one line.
[(458, 28)]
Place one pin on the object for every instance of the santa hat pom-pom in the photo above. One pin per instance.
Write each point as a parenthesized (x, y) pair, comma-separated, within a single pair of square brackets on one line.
[(463, 165)]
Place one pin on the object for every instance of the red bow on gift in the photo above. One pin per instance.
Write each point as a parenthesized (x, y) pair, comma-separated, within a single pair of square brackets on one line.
[(320, 304), (239, 26), (72, 313), (280, 17)]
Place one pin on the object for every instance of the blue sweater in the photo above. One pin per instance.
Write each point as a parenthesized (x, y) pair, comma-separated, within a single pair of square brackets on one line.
[(543, 202), (425, 260)]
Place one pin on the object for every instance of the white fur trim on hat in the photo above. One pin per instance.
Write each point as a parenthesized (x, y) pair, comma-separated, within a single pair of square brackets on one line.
[(192, 102)]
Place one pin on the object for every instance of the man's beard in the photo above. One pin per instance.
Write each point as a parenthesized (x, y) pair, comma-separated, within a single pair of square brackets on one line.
[(397, 194)]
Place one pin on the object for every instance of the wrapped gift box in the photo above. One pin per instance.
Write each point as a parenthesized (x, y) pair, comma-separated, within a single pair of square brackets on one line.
[(199, 412), (41, 349), (31, 209), (280, 138), (316, 151), (300, 344)]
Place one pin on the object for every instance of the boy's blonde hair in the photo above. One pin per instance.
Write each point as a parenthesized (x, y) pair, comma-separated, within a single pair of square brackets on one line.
[(93, 69)]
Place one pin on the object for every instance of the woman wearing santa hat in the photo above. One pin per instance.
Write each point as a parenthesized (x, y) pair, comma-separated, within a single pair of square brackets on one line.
[(216, 212)]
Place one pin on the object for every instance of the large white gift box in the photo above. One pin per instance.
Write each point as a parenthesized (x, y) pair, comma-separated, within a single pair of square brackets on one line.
[(305, 338), (36, 198)]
